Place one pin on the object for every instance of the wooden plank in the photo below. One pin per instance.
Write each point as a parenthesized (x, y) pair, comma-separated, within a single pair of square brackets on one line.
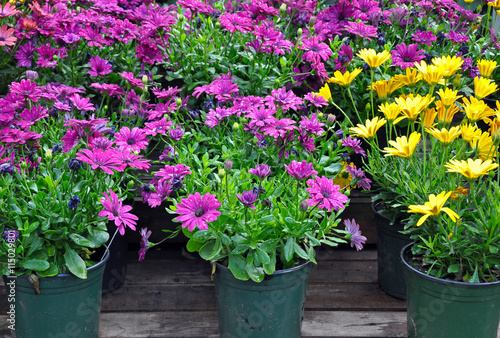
[(334, 297)]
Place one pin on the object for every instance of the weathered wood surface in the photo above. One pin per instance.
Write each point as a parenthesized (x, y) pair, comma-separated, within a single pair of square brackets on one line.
[(171, 295)]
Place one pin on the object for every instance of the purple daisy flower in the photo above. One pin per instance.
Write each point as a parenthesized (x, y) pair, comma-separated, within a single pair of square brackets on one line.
[(278, 128), (98, 158), (424, 37), (26, 89), (133, 140), (175, 134), (354, 144), (196, 211), (236, 22), (325, 194), (81, 103), (170, 171), (248, 198), (115, 211), (144, 243), (162, 191), (457, 38), (354, 234), (24, 55), (259, 117), (284, 99), (300, 170), (128, 158), (359, 178), (406, 56), (361, 29), (99, 67), (315, 50), (260, 170), (316, 100), (312, 125)]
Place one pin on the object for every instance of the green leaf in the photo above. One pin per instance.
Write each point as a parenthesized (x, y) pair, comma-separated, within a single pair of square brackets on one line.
[(263, 257), (193, 246), (333, 168), (237, 265), (289, 248), (454, 268), (51, 271), (34, 264), (475, 277), (207, 249), (301, 252), (81, 241), (255, 273), (75, 263), (271, 266)]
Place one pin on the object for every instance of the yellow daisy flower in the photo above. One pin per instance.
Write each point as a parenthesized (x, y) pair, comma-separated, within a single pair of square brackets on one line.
[(372, 58), (411, 107), (495, 4), (445, 115), (403, 147), (444, 135), (476, 109), (325, 92), (471, 169), (494, 129), (369, 129), (391, 112), (344, 178), (469, 132), (449, 64), (346, 78), (486, 67), (431, 74), (410, 78), (484, 87), (427, 118), (448, 96), (484, 146), (433, 207), (385, 88)]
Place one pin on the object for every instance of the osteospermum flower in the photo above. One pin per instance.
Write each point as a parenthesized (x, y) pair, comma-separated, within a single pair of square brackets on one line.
[(99, 67), (445, 136), (8, 10), (353, 144), (98, 158), (319, 99), (384, 88), (403, 147), (197, 210), (117, 212), (391, 112), (260, 170), (431, 74), (325, 194), (450, 65), (369, 129), (248, 198), (427, 118), (476, 109), (133, 140), (469, 132), (346, 78), (486, 67), (372, 58), (315, 50), (424, 37), (169, 172), (433, 207), (410, 78), (405, 56), (344, 178), (484, 87), (448, 96), (471, 169), (411, 107), (278, 128), (361, 29), (312, 125), (144, 243), (354, 236), (6, 38), (445, 114), (484, 146), (300, 170)]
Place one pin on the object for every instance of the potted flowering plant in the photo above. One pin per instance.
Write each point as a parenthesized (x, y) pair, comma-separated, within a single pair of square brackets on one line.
[(59, 188), (454, 255), (256, 188)]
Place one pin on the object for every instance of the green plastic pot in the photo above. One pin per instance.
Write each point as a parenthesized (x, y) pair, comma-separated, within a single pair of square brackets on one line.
[(444, 308), (390, 241), (271, 308), (67, 306)]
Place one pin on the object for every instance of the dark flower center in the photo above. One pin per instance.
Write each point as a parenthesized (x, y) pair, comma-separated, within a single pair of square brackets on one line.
[(325, 194), (131, 141), (407, 59), (199, 212)]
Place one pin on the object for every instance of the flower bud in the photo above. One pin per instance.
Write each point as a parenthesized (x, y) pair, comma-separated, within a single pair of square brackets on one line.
[(330, 119), (228, 165), (24, 165), (236, 126), (48, 154), (31, 75), (368, 106), (178, 101), (222, 173), (304, 205), (456, 80), (312, 20), (320, 115), (283, 8), (181, 17), (299, 32), (55, 57), (145, 79), (347, 192), (130, 184)]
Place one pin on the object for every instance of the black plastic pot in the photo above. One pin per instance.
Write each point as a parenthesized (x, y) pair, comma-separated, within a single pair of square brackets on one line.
[(116, 267), (390, 241)]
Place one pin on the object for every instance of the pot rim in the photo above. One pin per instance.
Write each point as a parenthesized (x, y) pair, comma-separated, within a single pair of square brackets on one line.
[(277, 272), (411, 269)]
